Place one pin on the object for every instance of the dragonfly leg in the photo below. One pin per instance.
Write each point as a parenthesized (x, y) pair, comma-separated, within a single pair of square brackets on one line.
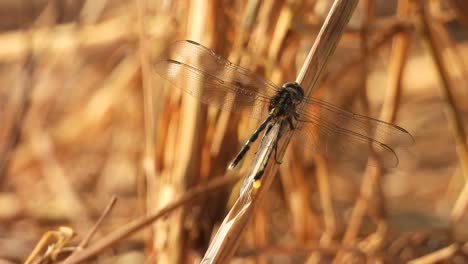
[(249, 142), (278, 161), (291, 123), (292, 126)]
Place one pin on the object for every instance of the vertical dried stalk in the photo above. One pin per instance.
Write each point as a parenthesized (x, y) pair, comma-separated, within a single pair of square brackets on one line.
[(329, 215), (398, 56), (6, 151), (398, 61), (285, 20), (325, 44), (186, 161), (148, 183), (380, 41), (226, 240), (452, 111), (149, 155), (305, 222), (247, 23)]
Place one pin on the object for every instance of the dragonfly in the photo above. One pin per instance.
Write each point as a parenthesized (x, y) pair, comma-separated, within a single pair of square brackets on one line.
[(319, 126)]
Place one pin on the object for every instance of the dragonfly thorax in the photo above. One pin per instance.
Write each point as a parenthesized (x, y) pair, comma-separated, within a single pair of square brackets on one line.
[(286, 99)]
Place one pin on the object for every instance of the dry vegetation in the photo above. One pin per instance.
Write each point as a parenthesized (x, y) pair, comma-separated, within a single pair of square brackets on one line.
[(84, 119)]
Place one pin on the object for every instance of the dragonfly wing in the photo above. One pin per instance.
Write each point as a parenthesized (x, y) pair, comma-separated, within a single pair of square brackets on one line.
[(214, 80), (201, 57), (212, 90), (342, 144), (380, 131)]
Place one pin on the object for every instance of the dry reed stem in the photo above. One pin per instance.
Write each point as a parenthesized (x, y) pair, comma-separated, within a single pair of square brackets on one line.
[(6, 152), (148, 91), (282, 27), (457, 68), (437, 256), (235, 58), (261, 230), (325, 44), (252, 10), (261, 35), (227, 239), (141, 223), (305, 223), (329, 215), (398, 59), (453, 57), (452, 111), (149, 161), (147, 183), (93, 230), (372, 175), (259, 234), (23, 106), (304, 220), (383, 38), (52, 243), (84, 242), (174, 108), (186, 163)]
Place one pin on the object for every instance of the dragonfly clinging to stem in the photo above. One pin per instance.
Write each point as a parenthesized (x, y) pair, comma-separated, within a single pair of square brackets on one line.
[(320, 126)]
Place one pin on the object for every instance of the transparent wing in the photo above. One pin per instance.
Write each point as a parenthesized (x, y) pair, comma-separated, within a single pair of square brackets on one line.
[(211, 90), (214, 80), (338, 143), (386, 133), (340, 134), (203, 58)]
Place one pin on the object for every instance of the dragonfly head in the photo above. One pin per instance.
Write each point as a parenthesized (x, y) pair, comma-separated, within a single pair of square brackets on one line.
[(295, 89)]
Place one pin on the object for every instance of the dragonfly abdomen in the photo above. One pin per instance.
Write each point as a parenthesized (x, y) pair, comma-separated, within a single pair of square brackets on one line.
[(249, 142)]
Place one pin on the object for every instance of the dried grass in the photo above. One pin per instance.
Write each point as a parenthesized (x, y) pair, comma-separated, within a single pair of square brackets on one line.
[(84, 118)]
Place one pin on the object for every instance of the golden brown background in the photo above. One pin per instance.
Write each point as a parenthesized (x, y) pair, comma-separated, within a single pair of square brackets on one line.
[(83, 118)]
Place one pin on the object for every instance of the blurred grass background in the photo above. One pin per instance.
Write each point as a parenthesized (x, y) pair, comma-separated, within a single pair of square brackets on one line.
[(83, 118)]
